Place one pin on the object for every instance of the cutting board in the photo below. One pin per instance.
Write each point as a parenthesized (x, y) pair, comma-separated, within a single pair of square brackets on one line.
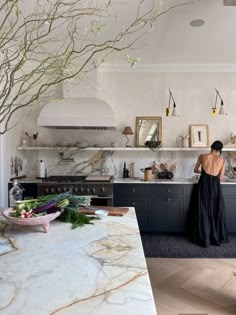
[(114, 211)]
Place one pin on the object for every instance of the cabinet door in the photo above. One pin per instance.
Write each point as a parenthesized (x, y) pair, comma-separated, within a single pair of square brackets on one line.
[(169, 214), (229, 193), (144, 209), (230, 212)]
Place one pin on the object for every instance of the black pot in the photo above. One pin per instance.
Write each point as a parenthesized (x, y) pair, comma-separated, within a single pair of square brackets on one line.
[(161, 175), (169, 175), (165, 175)]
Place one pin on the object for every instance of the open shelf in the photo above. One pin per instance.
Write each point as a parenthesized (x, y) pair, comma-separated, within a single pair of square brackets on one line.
[(66, 148)]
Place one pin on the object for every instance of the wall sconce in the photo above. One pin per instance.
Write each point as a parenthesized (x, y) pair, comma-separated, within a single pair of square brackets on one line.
[(127, 131), (214, 109), (174, 110)]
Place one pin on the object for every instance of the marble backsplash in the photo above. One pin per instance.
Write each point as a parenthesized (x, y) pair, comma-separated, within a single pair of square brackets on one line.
[(108, 162)]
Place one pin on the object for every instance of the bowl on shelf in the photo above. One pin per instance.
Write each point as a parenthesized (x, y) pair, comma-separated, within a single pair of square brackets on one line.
[(101, 214), (40, 220)]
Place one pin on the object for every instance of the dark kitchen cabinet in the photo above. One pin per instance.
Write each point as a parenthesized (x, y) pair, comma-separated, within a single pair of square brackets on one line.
[(229, 192), (169, 214), (140, 197), (169, 207), (159, 207)]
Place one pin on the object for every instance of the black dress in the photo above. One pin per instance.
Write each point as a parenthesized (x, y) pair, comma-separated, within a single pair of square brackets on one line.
[(207, 217)]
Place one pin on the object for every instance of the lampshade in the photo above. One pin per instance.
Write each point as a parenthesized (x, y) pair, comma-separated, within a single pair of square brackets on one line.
[(127, 131), (174, 110), (214, 109)]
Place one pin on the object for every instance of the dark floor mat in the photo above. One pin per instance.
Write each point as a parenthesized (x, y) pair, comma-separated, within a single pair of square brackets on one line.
[(178, 246)]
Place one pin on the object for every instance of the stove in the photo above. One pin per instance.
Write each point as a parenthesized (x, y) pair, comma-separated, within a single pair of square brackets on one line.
[(81, 178), (101, 186)]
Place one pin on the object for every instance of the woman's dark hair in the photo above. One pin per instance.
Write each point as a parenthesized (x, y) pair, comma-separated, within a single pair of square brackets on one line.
[(217, 145)]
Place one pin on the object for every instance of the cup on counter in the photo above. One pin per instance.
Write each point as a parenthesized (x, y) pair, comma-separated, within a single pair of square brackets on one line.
[(147, 173)]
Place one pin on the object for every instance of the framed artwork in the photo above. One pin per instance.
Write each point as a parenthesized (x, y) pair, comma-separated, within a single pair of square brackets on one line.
[(199, 136)]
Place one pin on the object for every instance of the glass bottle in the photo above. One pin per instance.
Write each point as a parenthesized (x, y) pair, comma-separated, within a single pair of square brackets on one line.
[(15, 193)]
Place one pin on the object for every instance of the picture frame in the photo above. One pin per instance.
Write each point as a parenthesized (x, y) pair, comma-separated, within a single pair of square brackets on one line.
[(199, 136)]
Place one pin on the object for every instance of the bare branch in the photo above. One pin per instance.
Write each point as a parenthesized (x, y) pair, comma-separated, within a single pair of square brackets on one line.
[(58, 40)]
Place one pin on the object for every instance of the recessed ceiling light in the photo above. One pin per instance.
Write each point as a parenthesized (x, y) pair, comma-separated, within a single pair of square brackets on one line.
[(197, 23)]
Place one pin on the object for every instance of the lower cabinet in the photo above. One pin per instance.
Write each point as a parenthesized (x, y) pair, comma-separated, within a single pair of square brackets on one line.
[(144, 208), (159, 208), (229, 192), (164, 207), (169, 214)]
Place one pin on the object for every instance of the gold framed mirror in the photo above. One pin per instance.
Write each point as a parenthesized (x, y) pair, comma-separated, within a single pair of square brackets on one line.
[(148, 131)]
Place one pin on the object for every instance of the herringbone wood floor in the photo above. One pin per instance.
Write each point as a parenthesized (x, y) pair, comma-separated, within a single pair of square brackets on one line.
[(193, 286)]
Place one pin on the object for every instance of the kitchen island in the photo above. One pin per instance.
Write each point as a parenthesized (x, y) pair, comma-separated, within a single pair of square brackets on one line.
[(96, 269)]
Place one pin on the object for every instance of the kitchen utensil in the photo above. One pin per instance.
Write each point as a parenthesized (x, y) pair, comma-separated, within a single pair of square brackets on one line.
[(172, 168), (132, 170), (162, 166)]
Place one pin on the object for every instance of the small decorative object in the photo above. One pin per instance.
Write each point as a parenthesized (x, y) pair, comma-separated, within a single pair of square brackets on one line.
[(127, 131), (27, 220), (199, 136), (148, 131), (214, 109), (101, 214), (125, 171), (231, 137), (186, 141), (174, 110), (24, 142), (179, 141)]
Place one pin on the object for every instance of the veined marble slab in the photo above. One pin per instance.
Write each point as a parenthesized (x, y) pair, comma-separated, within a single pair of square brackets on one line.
[(96, 269)]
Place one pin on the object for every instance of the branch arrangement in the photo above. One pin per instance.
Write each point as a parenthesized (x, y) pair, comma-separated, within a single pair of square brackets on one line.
[(45, 43)]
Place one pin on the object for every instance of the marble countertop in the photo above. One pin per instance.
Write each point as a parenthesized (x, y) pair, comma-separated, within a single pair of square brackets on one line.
[(96, 269), (167, 181), (138, 180)]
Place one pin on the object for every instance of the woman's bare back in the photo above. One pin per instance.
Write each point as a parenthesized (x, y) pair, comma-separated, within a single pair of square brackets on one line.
[(212, 164)]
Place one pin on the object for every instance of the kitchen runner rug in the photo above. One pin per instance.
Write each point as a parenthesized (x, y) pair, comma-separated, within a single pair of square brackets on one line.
[(178, 246)]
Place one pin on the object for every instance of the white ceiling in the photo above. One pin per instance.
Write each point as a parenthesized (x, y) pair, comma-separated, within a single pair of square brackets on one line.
[(174, 41)]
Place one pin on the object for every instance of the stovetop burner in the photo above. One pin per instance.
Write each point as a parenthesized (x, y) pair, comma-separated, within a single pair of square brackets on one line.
[(64, 178), (80, 178)]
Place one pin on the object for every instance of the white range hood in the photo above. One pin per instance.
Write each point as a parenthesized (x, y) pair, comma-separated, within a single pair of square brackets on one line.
[(77, 113)]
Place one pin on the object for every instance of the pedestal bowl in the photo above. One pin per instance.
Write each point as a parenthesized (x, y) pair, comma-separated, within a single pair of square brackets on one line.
[(40, 220)]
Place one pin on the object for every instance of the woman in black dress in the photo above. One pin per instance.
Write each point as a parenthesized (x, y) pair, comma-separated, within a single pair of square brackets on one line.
[(208, 216)]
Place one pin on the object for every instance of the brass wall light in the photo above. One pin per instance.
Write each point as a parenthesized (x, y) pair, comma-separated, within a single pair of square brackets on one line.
[(127, 131), (174, 110), (214, 109)]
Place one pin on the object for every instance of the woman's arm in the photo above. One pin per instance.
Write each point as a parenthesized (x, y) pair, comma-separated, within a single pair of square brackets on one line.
[(199, 162), (222, 171)]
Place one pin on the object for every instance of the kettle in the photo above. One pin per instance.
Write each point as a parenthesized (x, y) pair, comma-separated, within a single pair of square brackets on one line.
[(147, 173)]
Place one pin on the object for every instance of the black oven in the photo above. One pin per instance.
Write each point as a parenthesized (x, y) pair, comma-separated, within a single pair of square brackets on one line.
[(102, 190)]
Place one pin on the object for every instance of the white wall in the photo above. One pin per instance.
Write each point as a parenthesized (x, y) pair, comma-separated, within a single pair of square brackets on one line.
[(142, 91)]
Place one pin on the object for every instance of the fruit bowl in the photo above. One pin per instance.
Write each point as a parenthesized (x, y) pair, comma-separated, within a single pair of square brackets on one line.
[(40, 220)]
